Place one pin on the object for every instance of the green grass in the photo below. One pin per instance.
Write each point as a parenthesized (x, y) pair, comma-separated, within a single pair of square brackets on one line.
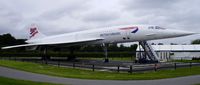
[(9, 81), (89, 74)]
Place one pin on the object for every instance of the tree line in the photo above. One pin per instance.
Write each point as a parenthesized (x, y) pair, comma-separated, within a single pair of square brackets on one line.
[(9, 40)]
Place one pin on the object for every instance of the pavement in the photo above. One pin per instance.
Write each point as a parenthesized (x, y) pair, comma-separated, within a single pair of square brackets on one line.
[(17, 74)]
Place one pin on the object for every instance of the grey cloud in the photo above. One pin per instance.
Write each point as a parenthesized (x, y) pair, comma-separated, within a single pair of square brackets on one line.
[(168, 11), (101, 16), (67, 10), (149, 4), (9, 19)]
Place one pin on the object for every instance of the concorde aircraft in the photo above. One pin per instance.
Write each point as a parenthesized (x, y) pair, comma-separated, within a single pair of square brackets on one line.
[(115, 34)]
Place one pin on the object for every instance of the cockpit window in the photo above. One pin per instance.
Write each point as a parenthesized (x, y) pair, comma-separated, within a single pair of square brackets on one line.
[(155, 27), (151, 27)]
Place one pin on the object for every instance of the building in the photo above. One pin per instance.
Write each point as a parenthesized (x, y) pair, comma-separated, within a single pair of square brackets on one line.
[(174, 52)]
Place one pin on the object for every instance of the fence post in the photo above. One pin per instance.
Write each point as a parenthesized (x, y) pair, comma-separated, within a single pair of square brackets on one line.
[(131, 69), (58, 63), (93, 67), (118, 68), (190, 64), (175, 66)]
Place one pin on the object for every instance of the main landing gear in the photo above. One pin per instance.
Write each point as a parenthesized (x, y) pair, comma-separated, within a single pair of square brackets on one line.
[(105, 48)]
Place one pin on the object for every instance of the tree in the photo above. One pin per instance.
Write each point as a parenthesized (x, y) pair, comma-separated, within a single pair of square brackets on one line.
[(8, 40), (197, 41), (113, 47), (133, 47)]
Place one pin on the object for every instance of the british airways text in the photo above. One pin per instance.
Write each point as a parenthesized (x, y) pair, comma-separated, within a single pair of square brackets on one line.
[(110, 34)]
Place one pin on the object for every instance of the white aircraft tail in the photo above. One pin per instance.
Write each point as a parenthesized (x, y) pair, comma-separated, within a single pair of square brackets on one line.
[(34, 32)]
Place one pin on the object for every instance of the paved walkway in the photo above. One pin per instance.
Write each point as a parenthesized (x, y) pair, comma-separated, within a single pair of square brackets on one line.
[(12, 73)]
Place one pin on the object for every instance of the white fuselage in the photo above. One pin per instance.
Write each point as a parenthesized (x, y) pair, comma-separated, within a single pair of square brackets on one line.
[(117, 34)]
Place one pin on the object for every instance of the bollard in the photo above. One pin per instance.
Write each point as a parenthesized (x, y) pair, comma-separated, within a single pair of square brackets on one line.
[(58, 63), (118, 68), (93, 67), (174, 66), (73, 65), (131, 69)]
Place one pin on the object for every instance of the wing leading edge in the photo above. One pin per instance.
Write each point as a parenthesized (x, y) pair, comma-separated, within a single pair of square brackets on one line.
[(55, 43)]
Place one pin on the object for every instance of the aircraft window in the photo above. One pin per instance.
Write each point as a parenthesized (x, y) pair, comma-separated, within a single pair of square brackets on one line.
[(151, 27), (124, 38), (155, 27)]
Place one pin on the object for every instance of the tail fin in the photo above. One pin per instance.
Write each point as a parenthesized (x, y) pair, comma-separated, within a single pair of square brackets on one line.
[(34, 32)]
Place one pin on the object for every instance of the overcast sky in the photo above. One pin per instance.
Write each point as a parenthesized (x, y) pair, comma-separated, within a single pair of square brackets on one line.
[(61, 16)]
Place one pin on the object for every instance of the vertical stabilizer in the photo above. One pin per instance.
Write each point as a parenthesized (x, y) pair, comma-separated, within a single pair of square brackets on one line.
[(34, 32)]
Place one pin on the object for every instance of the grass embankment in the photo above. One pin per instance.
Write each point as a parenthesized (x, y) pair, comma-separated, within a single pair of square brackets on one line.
[(88, 74), (9, 81)]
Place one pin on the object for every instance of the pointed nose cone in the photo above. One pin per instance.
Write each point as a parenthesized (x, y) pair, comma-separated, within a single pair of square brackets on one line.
[(171, 33), (179, 33), (175, 33)]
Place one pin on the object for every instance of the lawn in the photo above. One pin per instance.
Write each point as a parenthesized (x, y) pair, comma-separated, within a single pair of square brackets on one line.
[(99, 75), (9, 81)]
